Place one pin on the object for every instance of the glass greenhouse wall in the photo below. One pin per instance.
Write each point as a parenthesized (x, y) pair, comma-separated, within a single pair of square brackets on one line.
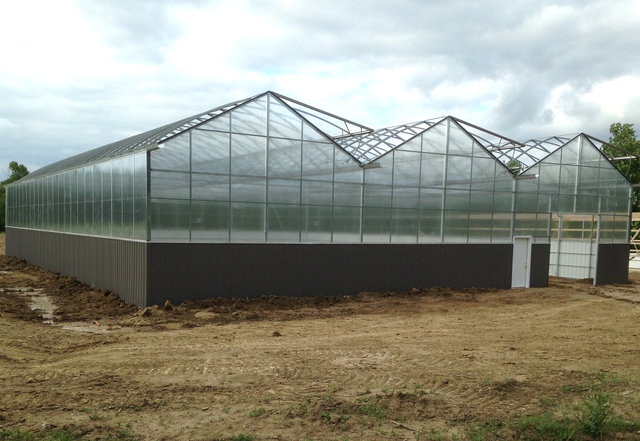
[(107, 199), (269, 169)]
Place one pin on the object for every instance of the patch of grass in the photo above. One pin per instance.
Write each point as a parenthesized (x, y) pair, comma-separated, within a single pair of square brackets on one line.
[(545, 427), (595, 412), (257, 412), (243, 437), (16, 435)]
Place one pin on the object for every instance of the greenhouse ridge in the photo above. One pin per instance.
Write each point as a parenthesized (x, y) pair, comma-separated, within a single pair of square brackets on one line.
[(233, 189)]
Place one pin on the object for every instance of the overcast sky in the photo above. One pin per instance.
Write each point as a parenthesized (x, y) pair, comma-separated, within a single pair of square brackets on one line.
[(75, 75)]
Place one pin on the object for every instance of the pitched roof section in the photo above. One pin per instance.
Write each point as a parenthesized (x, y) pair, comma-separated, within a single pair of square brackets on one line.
[(363, 143), (367, 147), (138, 143)]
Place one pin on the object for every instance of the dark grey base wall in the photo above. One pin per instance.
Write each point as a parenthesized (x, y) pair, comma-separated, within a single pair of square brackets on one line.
[(199, 271), (540, 256), (111, 264), (613, 263)]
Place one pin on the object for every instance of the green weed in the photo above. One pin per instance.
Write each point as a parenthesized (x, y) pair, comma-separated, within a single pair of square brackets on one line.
[(257, 412)]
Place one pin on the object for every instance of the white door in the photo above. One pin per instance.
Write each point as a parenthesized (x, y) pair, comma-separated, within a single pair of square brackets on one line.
[(521, 269)]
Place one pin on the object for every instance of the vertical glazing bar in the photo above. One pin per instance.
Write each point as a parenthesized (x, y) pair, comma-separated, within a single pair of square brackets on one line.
[(148, 197), (445, 174)]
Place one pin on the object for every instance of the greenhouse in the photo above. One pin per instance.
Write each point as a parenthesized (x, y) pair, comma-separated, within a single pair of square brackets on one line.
[(271, 196)]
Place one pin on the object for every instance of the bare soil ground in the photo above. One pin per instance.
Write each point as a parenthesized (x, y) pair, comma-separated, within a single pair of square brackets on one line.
[(425, 364)]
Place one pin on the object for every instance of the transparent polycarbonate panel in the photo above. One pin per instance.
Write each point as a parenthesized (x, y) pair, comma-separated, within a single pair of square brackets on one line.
[(210, 151), (283, 123), (283, 223), (503, 201), (459, 142), (128, 172), (526, 202), (382, 175), (609, 178), (89, 200), (140, 197), (116, 198), (481, 152), (566, 203), (248, 155), (622, 204), (376, 225), (404, 226), (621, 233), (284, 158), (569, 152), (105, 169), (501, 227), (346, 224), (549, 180), (169, 220), (456, 226), (284, 191), (607, 228), (140, 218), (346, 169), (434, 139), (127, 218), (174, 155), (406, 168), (481, 201), (590, 156), (568, 179), (413, 145), (589, 180), (483, 173), (587, 204), (504, 179), (377, 195), (317, 161), (406, 197), (458, 172), (210, 187), (250, 118), (609, 204), (525, 224), (220, 122), (542, 226), (316, 223), (169, 185), (457, 200), (432, 173), (431, 198), (480, 225), (248, 189), (317, 192), (209, 221), (311, 134), (347, 194), (247, 222)]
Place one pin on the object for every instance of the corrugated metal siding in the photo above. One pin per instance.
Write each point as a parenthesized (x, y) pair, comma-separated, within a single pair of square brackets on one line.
[(540, 255), (113, 264), (613, 263), (179, 271)]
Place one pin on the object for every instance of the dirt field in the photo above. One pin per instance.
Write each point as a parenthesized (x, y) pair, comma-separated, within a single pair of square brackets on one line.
[(428, 364)]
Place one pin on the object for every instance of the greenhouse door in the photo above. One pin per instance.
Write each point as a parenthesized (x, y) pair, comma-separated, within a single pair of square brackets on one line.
[(521, 266), (574, 246)]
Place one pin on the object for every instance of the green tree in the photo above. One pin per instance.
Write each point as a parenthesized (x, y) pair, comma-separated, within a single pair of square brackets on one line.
[(16, 171), (624, 137)]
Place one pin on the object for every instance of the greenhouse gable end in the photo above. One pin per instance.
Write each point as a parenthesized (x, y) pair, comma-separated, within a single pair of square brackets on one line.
[(270, 196)]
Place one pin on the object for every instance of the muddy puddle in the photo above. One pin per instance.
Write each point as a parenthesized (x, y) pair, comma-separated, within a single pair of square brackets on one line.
[(41, 303)]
